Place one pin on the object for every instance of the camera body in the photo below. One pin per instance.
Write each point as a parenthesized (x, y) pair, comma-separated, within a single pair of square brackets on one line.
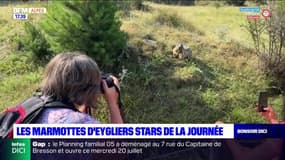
[(109, 81)]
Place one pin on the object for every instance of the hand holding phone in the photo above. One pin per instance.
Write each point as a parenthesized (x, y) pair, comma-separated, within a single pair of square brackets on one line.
[(262, 101), (269, 115), (265, 110)]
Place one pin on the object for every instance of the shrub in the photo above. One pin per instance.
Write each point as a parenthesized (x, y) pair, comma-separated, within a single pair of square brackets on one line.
[(236, 2), (174, 20), (138, 4), (168, 18), (268, 37), (35, 42), (88, 26)]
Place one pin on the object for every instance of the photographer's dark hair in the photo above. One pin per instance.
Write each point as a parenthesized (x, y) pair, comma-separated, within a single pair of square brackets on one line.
[(72, 77)]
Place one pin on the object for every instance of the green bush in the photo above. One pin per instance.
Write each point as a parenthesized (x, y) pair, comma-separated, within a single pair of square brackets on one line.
[(88, 26), (171, 19), (236, 2), (35, 42), (138, 4)]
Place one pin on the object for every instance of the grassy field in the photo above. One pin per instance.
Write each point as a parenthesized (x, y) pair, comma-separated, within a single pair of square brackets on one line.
[(220, 82), (19, 77)]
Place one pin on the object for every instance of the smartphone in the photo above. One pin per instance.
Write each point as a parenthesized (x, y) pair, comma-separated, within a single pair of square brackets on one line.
[(262, 101)]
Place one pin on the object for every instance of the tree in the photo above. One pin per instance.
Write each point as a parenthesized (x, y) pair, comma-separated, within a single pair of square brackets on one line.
[(89, 26), (269, 40)]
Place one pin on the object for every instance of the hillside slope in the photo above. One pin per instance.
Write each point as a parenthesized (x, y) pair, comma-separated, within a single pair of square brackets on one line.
[(220, 82)]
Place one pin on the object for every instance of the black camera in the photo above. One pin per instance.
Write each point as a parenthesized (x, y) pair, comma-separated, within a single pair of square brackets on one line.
[(109, 81)]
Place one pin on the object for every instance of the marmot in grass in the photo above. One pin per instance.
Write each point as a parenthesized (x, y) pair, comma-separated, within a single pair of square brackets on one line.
[(182, 52)]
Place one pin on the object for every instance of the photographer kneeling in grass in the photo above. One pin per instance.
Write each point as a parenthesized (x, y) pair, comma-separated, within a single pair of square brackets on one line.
[(75, 79)]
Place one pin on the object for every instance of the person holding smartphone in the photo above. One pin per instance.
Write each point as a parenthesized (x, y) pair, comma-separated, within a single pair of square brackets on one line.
[(268, 149)]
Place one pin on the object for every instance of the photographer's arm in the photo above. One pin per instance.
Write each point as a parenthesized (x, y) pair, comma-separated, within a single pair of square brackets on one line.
[(111, 97)]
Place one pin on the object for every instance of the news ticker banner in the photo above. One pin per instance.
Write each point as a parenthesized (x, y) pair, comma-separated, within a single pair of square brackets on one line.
[(149, 131), (123, 131), (85, 149)]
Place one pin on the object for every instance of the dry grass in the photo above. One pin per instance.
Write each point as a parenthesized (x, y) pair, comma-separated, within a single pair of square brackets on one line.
[(220, 83)]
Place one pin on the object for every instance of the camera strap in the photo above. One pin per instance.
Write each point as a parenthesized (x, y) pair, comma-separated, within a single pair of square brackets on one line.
[(120, 101)]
